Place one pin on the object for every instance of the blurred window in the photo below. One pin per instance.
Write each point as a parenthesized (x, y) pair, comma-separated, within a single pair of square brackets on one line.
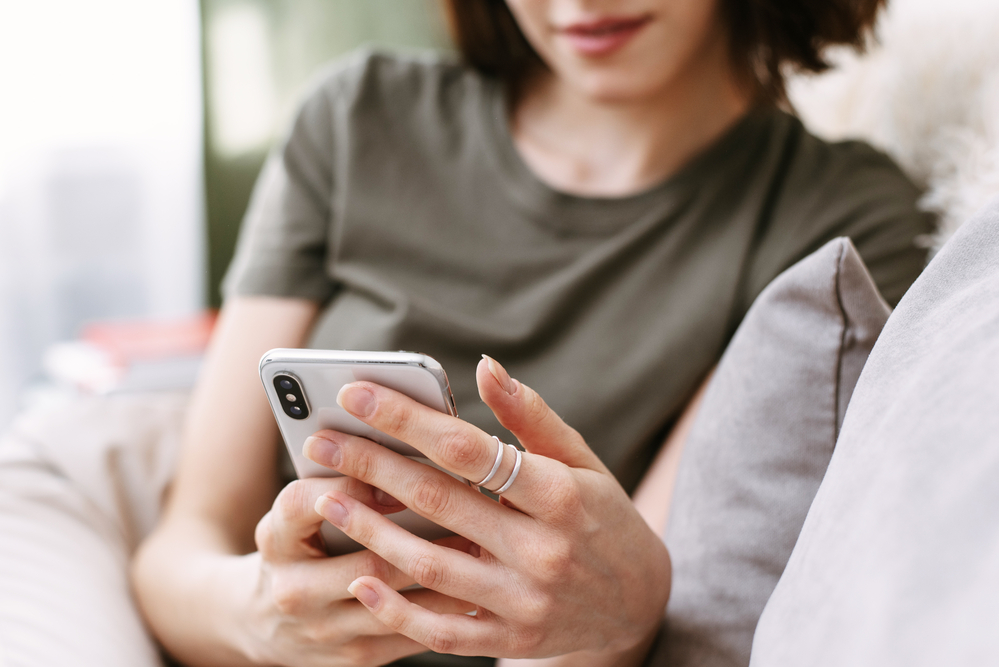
[(101, 181), (127, 155)]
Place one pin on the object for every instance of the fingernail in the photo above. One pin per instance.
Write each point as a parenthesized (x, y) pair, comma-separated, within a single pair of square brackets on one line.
[(509, 384), (385, 499), (323, 451), (358, 401), (367, 596), (332, 510)]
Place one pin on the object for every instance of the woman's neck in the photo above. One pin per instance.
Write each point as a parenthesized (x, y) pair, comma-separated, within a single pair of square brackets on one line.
[(616, 148)]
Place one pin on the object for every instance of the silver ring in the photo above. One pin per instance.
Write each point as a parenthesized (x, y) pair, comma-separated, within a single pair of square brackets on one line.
[(496, 466), (513, 476)]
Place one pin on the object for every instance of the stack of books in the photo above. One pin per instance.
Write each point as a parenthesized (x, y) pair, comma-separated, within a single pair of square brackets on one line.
[(135, 355)]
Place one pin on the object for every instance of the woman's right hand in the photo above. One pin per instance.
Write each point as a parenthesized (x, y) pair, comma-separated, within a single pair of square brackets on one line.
[(299, 611), (205, 596)]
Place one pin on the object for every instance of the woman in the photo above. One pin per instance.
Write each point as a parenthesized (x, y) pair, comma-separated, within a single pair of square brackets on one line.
[(595, 198)]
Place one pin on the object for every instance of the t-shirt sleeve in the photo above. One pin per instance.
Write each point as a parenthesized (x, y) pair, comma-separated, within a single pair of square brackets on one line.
[(283, 245), (846, 189)]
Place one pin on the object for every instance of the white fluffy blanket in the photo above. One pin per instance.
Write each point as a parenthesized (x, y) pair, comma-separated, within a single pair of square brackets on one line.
[(927, 93)]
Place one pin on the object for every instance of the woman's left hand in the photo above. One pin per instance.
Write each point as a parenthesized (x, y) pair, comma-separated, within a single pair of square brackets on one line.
[(563, 563)]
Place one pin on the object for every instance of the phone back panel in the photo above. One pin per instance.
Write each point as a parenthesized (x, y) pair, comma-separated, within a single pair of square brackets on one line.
[(323, 372)]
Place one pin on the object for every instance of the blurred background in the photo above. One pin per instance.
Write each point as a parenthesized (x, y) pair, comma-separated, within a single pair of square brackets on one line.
[(131, 133)]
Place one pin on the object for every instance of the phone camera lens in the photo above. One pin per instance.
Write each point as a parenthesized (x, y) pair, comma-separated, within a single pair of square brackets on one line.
[(292, 396)]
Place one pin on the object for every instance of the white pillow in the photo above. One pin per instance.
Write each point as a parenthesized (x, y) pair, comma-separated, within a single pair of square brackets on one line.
[(898, 560)]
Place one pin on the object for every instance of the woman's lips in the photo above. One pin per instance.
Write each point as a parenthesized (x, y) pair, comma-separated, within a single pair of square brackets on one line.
[(604, 36)]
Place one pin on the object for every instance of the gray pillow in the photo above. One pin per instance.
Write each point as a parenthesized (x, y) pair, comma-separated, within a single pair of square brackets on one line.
[(759, 448), (898, 560)]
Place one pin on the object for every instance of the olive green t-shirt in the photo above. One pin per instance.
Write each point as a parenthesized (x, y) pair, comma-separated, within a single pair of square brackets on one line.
[(400, 203)]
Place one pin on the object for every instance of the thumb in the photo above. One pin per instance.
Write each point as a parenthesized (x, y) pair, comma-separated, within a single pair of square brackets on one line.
[(525, 414)]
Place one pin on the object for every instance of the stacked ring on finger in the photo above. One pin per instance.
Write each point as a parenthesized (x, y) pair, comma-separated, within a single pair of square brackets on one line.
[(496, 466)]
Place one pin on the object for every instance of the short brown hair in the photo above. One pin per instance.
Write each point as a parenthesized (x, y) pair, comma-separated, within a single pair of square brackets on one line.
[(766, 37)]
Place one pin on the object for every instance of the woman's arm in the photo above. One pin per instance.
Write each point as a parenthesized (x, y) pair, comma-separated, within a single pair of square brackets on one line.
[(226, 480), (208, 599), (652, 499), (227, 475)]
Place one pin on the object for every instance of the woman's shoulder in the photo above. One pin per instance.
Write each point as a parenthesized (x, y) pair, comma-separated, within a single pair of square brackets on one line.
[(817, 169), (415, 103), (406, 82), (826, 189)]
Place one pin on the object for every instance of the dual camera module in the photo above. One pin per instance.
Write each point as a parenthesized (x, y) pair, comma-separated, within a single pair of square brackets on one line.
[(289, 391)]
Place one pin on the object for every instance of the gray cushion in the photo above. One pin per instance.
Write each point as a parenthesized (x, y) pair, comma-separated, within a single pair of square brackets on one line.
[(898, 560), (759, 448)]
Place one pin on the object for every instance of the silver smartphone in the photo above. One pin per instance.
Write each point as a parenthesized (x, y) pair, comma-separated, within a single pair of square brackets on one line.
[(302, 386)]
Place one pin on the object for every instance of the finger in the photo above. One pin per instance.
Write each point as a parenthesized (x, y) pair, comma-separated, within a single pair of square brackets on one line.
[(290, 530), (372, 651), (449, 442), (353, 619), (460, 543), (431, 493), (452, 444), (319, 582), (524, 413), (434, 601), (312, 585), (457, 634), (430, 565)]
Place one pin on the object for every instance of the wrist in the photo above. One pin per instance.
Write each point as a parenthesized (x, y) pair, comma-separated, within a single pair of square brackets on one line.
[(655, 594), (631, 656), (197, 607), (236, 583)]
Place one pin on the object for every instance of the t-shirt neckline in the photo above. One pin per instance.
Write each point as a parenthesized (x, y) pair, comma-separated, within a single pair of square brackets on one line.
[(599, 215)]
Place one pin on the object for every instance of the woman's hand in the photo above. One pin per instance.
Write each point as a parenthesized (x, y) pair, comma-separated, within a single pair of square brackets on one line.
[(299, 611), (563, 563)]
